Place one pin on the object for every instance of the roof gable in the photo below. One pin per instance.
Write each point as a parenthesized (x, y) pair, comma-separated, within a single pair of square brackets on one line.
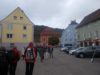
[(20, 16), (90, 18)]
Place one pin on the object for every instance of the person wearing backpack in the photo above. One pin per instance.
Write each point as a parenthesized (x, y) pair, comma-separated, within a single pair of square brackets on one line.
[(30, 55), (13, 58)]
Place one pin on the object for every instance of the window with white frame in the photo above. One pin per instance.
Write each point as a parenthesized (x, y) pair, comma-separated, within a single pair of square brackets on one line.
[(9, 35)]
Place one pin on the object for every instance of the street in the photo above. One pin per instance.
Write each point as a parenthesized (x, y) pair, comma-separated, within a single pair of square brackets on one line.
[(62, 64)]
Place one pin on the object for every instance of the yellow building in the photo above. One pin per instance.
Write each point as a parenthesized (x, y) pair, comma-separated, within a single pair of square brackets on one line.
[(16, 29)]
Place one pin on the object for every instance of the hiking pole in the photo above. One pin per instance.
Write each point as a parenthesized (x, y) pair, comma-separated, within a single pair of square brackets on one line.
[(92, 59)]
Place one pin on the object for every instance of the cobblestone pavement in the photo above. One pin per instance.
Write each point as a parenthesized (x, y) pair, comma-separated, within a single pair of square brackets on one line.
[(62, 64)]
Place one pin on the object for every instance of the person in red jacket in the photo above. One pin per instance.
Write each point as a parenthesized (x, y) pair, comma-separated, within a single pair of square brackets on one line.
[(30, 55), (15, 59)]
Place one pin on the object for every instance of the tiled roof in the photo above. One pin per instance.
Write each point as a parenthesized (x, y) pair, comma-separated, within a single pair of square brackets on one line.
[(90, 18), (48, 31)]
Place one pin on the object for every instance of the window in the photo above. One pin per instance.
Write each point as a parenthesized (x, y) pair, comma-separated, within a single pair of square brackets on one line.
[(70, 39), (9, 35), (24, 36), (96, 34), (90, 35), (21, 18), (10, 27), (84, 36), (78, 37), (15, 17), (24, 28)]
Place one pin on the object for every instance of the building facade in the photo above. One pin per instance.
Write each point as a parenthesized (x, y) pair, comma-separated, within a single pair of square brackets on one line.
[(16, 29), (46, 34), (88, 32), (68, 37)]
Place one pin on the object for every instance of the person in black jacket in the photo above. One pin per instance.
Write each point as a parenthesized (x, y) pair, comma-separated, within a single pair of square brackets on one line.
[(50, 51), (41, 51), (3, 61)]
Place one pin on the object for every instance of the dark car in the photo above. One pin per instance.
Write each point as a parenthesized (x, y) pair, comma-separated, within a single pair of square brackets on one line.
[(88, 52)]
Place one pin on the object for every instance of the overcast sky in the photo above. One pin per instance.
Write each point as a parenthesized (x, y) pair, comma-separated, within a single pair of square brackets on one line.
[(53, 13)]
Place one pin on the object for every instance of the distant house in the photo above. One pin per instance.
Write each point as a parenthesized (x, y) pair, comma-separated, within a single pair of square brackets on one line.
[(68, 37), (16, 29), (88, 32), (46, 34)]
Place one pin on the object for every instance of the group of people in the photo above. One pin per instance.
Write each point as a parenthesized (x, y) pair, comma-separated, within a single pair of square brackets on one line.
[(10, 57), (44, 51), (8, 60)]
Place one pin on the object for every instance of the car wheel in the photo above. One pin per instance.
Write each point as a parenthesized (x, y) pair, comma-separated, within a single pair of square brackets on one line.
[(81, 55)]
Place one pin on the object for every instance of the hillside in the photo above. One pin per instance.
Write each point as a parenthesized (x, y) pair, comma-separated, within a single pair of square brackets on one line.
[(38, 29)]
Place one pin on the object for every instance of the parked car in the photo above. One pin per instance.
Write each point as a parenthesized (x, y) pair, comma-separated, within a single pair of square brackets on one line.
[(88, 52), (69, 49), (71, 52), (63, 48)]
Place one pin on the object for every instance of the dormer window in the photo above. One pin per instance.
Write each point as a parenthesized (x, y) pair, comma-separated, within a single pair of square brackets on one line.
[(15, 17), (21, 18)]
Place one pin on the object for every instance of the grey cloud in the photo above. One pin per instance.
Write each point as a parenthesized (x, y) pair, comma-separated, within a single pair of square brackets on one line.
[(54, 13)]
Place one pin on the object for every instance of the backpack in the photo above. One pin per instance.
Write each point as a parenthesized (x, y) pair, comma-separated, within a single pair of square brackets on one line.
[(10, 56), (29, 54)]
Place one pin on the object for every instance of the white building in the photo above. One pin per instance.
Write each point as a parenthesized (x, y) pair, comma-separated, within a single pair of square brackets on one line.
[(68, 37)]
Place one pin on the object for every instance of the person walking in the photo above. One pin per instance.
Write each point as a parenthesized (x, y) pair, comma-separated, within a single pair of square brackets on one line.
[(41, 51), (46, 53), (50, 51), (13, 58), (30, 55)]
